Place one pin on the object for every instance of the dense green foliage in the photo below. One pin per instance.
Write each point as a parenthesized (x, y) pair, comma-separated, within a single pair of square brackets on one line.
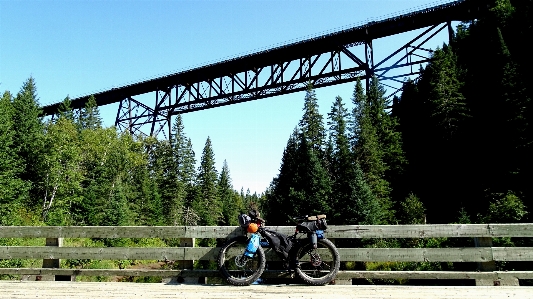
[(466, 122), (455, 145), (70, 170), (455, 148)]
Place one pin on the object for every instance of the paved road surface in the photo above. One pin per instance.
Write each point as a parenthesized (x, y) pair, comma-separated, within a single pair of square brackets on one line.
[(45, 289)]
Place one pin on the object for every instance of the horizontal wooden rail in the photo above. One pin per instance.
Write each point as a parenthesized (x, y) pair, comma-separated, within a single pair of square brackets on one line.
[(484, 254), (474, 254), (334, 231)]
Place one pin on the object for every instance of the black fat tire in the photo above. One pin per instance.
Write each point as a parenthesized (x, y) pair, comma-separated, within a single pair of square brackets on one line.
[(326, 271), (231, 272)]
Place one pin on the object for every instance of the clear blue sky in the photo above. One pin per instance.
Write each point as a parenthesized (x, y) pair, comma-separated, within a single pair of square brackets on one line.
[(78, 47)]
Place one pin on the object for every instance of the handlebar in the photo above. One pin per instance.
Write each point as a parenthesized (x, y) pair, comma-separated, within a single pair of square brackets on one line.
[(309, 218)]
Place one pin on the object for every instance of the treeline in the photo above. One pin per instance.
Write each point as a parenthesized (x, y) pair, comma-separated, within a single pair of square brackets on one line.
[(455, 147), (466, 123), (73, 171)]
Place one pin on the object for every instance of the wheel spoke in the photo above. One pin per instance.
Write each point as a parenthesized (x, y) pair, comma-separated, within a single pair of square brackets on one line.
[(237, 268), (318, 266)]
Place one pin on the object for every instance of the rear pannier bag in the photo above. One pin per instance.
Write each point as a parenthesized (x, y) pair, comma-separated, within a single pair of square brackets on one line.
[(280, 242)]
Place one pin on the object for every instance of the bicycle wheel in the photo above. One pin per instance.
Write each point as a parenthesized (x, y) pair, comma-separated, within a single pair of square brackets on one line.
[(318, 266), (236, 268)]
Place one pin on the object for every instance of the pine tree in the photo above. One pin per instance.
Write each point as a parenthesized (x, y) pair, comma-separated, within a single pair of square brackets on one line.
[(368, 210), (185, 165), (11, 186), (341, 163), (278, 204), (28, 137), (341, 159), (65, 110), (230, 206), (386, 127), (165, 172), (367, 118), (207, 202), (311, 124), (434, 110), (186, 173), (310, 195), (303, 185), (498, 101), (90, 115), (354, 201)]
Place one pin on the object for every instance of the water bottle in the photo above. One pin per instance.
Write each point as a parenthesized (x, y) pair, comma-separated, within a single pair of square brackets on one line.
[(252, 246)]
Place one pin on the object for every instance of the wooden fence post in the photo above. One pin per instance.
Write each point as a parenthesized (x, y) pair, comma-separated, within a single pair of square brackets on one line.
[(490, 266), (340, 281), (53, 263), (188, 264)]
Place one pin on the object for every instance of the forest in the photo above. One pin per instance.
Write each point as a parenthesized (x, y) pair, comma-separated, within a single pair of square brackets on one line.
[(455, 147)]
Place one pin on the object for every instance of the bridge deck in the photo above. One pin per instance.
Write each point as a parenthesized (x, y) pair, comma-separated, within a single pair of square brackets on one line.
[(44, 289), (458, 10)]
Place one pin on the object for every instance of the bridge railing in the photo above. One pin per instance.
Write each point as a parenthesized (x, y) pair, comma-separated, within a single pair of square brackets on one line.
[(482, 251)]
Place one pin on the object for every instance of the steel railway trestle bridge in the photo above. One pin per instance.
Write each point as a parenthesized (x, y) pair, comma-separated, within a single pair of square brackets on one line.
[(323, 60)]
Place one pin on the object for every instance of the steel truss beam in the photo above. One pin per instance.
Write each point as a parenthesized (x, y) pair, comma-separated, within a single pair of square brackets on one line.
[(323, 60), (323, 69)]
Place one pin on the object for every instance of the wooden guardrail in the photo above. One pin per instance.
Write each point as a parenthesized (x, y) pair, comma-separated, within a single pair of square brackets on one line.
[(482, 251)]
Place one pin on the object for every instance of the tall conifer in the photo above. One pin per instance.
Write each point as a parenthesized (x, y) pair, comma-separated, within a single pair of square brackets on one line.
[(29, 137), (207, 202)]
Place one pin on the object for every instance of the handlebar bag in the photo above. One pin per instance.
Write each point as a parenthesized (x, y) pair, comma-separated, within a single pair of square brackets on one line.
[(307, 226)]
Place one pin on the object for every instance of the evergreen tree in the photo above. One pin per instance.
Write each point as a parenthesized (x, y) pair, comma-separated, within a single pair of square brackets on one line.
[(341, 160), (368, 210), (472, 117), (278, 204), (231, 204), (207, 202), (311, 124), (303, 185), (146, 205), (448, 105), (311, 194), (11, 186), (188, 177), (28, 137), (412, 211), (354, 201), (165, 173), (367, 118), (185, 165), (90, 115), (65, 109), (434, 110), (388, 135)]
